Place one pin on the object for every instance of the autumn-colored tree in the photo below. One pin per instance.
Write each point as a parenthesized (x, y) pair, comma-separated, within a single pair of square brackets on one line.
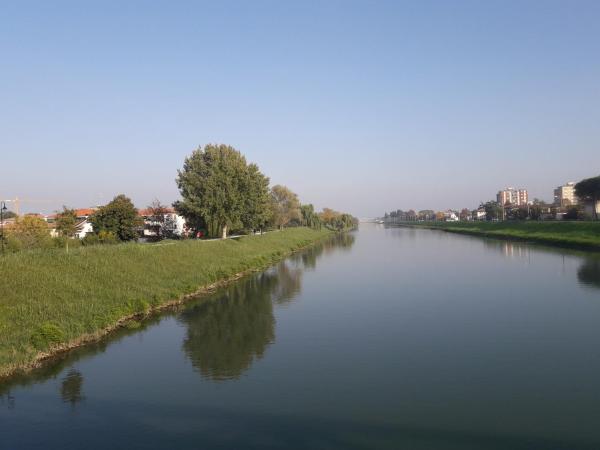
[(31, 232)]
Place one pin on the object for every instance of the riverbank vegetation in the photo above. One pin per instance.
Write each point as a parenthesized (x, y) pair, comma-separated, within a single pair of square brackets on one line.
[(584, 235), (51, 299)]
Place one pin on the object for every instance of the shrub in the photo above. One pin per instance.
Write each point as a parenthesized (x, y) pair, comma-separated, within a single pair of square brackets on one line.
[(46, 335)]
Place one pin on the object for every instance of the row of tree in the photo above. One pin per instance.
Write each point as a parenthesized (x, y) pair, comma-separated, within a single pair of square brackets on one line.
[(221, 192)]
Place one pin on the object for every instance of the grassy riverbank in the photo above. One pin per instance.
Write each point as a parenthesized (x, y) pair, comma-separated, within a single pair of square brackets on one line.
[(583, 235), (51, 300)]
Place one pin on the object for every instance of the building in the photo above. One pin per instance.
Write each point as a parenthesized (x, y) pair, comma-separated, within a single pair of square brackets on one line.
[(565, 195), (170, 224), (479, 214), (83, 226), (512, 196), (451, 216)]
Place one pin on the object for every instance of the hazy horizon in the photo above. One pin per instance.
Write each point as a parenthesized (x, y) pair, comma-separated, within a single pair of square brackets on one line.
[(364, 107)]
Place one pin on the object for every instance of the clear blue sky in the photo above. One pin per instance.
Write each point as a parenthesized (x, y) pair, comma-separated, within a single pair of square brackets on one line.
[(362, 106)]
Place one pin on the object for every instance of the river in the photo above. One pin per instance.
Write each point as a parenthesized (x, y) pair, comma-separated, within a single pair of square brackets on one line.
[(382, 338)]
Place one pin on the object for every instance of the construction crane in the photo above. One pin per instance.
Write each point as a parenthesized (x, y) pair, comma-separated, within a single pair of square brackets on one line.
[(16, 202)]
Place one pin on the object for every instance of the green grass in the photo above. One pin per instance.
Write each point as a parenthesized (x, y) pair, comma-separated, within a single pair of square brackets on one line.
[(584, 235), (49, 298)]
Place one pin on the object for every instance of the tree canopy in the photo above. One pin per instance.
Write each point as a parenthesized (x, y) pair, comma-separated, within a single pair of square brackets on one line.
[(589, 190), (286, 206), (118, 217), (66, 224), (220, 190)]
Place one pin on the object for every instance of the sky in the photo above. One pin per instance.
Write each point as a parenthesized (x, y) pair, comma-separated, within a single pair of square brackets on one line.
[(361, 106)]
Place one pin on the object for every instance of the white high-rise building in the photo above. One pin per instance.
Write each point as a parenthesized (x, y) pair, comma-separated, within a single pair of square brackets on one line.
[(512, 196), (565, 195)]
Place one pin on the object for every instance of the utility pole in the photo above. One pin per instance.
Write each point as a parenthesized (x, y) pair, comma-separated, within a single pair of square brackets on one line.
[(2, 209)]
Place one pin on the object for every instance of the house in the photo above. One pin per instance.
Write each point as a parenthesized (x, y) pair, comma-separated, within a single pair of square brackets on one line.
[(170, 223), (83, 225), (451, 216), (479, 214)]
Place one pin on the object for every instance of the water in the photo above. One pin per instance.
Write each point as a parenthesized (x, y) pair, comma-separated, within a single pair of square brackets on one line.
[(385, 338)]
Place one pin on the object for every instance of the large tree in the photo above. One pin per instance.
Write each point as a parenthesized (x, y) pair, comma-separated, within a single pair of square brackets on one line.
[(286, 206), (66, 224), (257, 211), (493, 211), (118, 217), (309, 217), (220, 190), (589, 190)]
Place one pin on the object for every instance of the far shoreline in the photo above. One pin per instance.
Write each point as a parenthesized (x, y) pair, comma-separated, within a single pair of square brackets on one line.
[(569, 235)]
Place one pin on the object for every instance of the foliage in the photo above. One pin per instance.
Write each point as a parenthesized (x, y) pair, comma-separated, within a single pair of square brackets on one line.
[(493, 211), (573, 213), (66, 224), (589, 190), (106, 283), (286, 206), (257, 212), (221, 191), (118, 217), (520, 213), (309, 217), (29, 232), (8, 215), (47, 334), (337, 221)]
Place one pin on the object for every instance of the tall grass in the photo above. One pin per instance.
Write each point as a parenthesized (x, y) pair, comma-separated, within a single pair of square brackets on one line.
[(49, 298), (584, 235)]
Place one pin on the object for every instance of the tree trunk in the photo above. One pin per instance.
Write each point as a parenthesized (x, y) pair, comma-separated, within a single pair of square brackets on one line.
[(224, 235)]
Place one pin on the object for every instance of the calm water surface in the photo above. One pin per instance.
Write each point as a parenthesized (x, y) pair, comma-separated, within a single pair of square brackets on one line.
[(384, 338)]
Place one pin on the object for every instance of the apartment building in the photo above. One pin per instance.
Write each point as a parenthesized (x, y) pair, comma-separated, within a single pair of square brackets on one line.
[(565, 195), (512, 196)]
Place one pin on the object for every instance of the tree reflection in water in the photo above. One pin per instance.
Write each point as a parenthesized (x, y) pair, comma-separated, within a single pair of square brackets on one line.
[(70, 389), (227, 333), (589, 273)]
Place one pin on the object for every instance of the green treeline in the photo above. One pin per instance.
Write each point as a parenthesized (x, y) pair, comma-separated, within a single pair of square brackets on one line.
[(222, 193)]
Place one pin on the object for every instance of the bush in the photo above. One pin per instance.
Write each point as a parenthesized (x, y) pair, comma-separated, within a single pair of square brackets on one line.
[(61, 242), (107, 237), (104, 237), (46, 335), (30, 232), (90, 239)]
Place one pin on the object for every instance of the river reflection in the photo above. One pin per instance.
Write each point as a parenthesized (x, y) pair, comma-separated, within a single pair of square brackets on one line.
[(71, 387), (226, 334), (589, 273)]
